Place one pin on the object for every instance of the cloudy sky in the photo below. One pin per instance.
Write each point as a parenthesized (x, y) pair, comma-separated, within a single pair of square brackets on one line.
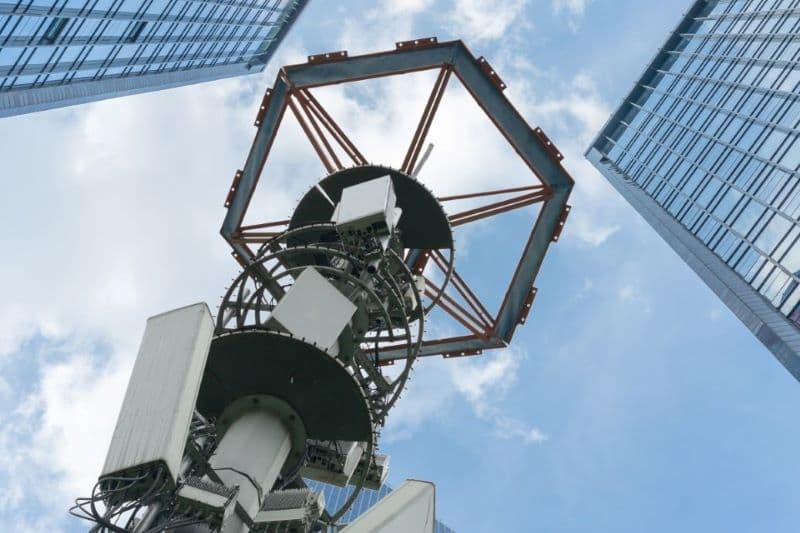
[(632, 400)]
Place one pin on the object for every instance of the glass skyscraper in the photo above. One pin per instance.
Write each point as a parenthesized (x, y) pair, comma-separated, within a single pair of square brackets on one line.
[(705, 148), (61, 52), (336, 496)]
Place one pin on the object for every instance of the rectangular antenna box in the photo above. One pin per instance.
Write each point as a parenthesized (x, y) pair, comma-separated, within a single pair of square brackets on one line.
[(153, 424), (313, 309), (331, 462), (367, 207)]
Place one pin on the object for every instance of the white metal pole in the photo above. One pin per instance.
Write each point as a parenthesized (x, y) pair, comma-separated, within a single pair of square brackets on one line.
[(251, 455)]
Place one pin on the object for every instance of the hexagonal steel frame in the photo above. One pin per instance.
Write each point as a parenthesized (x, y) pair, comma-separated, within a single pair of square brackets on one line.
[(291, 90)]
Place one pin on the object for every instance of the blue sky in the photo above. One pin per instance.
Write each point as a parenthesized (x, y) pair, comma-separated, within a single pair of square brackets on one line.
[(632, 400)]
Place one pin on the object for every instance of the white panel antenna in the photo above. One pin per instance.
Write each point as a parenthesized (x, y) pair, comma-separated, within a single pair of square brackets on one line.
[(153, 423)]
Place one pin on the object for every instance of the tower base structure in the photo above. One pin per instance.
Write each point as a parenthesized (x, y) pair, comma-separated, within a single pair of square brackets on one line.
[(223, 419), (251, 455), (241, 485)]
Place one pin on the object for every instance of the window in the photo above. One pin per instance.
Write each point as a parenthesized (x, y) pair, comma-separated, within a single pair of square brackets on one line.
[(135, 31), (54, 30)]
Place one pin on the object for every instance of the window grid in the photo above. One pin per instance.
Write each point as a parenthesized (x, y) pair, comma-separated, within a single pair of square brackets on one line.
[(712, 136), (61, 42)]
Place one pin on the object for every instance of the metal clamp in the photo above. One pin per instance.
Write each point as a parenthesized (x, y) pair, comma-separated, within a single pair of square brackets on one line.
[(328, 57), (526, 308), (461, 353), (491, 73), (562, 219), (548, 144), (262, 110), (426, 42), (234, 185)]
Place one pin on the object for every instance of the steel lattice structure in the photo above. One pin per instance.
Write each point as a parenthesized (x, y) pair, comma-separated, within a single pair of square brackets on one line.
[(293, 90), (223, 419)]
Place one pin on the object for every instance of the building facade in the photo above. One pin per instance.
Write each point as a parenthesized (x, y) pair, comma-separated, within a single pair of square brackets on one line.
[(336, 496), (705, 148), (55, 53)]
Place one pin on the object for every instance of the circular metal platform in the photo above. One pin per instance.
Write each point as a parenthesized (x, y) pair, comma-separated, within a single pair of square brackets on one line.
[(323, 393), (424, 224)]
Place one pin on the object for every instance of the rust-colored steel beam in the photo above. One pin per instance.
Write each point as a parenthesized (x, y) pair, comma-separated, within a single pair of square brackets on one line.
[(333, 128), (445, 346), (265, 225), (497, 208), (530, 144), (311, 116), (426, 120), (491, 193), (307, 130), (491, 213), (457, 311), (255, 237), (463, 288), (475, 330), (259, 152), (422, 260)]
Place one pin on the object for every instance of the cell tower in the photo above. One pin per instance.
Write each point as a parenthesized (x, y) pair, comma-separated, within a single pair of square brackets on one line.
[(224, 418)]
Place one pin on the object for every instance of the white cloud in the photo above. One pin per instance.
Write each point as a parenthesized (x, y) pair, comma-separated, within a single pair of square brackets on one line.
[(589, 230), (382, 26), (75, 443), (429, 385), (477, 378), (484, 20), (717, 312), (483, 380), (575, 7), (577, 102), (406, 7), (571, 113), (480, 381), (631, 293), (55, 438), (512, 428), (627, 293)]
